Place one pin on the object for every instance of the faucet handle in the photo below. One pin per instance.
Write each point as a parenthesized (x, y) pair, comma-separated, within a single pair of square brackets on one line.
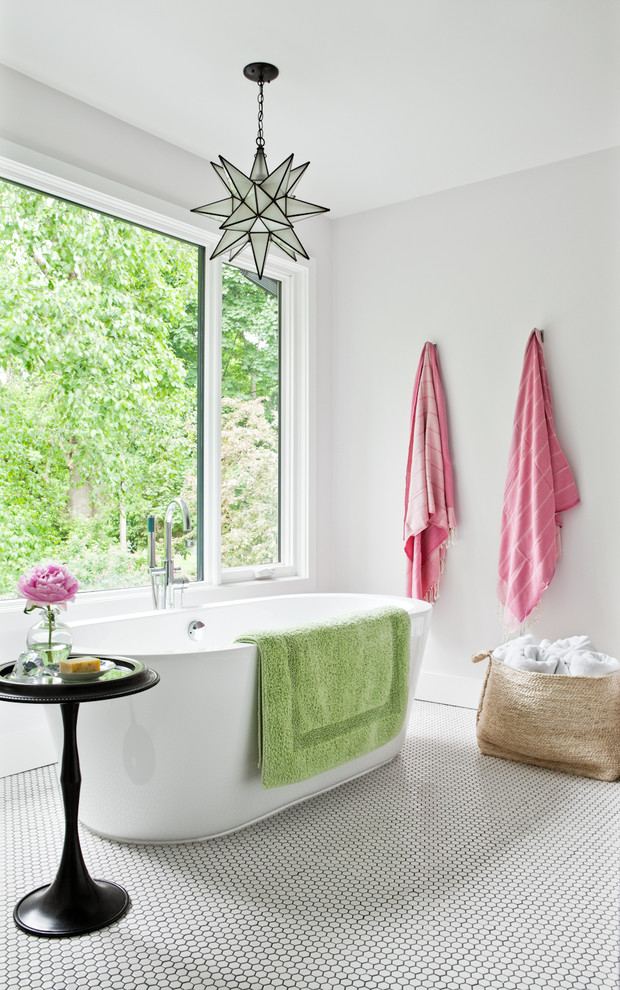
[(150, 526)]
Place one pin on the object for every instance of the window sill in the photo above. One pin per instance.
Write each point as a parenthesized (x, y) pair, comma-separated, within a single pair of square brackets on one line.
[(123, 600)]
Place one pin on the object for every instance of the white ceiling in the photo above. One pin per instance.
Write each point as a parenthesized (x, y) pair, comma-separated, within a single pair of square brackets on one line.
[(388, 99)]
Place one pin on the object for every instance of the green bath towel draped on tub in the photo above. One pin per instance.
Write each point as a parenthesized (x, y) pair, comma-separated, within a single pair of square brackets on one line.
[(329, 691)]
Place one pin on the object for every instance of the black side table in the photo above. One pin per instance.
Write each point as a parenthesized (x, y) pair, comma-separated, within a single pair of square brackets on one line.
[(73, 903)]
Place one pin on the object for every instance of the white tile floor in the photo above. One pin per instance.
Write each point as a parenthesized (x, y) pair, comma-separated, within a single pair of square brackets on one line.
[(444, 870)]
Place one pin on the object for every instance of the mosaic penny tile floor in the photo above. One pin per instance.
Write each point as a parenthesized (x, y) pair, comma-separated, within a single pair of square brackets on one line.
[(443, 870)]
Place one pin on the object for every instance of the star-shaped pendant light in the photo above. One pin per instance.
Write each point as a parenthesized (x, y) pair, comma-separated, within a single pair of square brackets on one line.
[(260, 208)]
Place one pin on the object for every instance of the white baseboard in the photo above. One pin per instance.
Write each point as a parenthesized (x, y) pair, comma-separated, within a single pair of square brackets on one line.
[(445, 689)]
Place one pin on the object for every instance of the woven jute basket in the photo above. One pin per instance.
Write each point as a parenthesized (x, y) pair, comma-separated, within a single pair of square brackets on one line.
[(563, 723)]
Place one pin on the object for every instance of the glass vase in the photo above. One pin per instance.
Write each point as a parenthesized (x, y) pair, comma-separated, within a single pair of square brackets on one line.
[(50, 638)]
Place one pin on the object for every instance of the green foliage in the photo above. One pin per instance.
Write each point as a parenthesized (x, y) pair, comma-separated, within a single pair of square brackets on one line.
[(250, 357), (249, 340), (99, 562), (33, 481), (95, 318), (249, 484), (98, 398)]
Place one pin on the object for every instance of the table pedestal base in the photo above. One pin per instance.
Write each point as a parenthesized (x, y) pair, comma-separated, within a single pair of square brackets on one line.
[(73, 903), (43, 912)]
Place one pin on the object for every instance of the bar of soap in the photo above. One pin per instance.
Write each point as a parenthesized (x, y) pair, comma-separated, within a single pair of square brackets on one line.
[(85, 665)]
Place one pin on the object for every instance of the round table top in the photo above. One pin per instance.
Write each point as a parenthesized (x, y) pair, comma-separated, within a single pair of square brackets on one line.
[(130, 677)]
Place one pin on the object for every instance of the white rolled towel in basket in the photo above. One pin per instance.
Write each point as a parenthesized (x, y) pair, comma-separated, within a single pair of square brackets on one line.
[(572, 656), (524, 654), (585, 663)]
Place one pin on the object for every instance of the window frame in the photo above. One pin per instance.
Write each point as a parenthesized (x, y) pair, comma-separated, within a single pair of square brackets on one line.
[(295, 319), (294, 362)]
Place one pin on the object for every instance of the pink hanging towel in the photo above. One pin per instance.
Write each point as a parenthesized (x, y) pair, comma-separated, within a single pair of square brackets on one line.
[(539, 486), (429, 501)]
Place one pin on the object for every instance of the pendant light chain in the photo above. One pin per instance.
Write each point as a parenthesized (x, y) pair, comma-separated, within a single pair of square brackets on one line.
[(260, 140)]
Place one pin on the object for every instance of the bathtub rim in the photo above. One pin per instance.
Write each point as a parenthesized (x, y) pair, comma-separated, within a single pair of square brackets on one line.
[(420, 605), (414, 606)]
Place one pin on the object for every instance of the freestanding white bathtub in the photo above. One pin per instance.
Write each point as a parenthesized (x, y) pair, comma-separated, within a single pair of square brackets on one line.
[(179, 762)]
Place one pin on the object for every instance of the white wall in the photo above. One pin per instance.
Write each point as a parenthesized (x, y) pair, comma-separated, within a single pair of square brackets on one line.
[(474, 270)]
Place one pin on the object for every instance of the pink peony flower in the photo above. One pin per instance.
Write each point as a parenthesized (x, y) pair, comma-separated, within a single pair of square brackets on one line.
[(48, 584)]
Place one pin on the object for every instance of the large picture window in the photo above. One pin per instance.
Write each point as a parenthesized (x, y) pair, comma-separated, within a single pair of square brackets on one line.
[(104, 411)]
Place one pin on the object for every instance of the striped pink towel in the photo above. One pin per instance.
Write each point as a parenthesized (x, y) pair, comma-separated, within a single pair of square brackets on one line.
[(539, 486), (429, 503)]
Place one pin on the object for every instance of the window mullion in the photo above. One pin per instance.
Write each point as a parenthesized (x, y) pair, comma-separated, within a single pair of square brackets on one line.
[(212, 417), (295, 426), (287, 427)]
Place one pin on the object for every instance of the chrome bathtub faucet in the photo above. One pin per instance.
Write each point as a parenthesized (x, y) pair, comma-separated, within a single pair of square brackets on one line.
[(164, 583)]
